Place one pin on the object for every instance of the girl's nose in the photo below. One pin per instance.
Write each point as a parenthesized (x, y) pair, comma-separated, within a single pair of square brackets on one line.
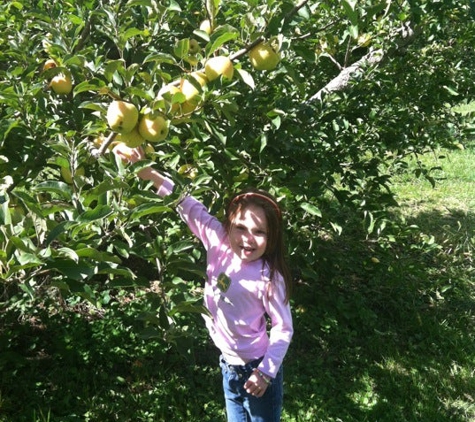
[(248, 237)]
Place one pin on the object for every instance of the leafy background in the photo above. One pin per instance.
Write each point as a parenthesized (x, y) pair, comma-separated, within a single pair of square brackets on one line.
[(101, 284)]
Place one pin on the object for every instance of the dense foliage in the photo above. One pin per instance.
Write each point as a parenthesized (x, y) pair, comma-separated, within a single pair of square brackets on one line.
[(325, 144)]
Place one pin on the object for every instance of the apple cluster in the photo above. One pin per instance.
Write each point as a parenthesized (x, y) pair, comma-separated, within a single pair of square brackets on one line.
[(179, 98), (134, 128)]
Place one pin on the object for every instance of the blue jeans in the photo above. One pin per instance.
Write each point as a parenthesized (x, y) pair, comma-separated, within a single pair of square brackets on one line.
[(244, 407)]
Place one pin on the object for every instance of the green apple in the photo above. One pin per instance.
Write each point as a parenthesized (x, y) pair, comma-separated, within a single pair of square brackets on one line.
[(194, 47), (149, 150), (153, 128), (264, 57), (122, 116), (219, 66)]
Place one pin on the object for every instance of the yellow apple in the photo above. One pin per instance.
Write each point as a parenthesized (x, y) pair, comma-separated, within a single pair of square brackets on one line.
[(49, 64), (61, 84), (68, 177), (153, 128), (264, 57), (194, 46), (122, 116), (219, 66), (206, 26), (191, 92), (132, 139), (188, 89)]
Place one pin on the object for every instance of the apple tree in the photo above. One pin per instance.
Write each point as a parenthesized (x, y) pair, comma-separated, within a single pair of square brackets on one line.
[(323, 103)]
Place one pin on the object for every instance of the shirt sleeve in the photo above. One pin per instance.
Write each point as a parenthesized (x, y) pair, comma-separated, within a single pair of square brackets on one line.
[(281, 331), (166, 188), (207, 228)]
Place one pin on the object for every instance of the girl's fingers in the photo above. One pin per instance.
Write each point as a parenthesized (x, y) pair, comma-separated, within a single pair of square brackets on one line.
[(129, 154), (255, 387)]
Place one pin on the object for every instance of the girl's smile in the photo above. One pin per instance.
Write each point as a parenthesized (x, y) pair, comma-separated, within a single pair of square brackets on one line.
[(248, 233)]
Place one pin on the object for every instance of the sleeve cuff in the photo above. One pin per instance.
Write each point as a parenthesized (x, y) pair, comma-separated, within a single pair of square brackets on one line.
[(166, 188)]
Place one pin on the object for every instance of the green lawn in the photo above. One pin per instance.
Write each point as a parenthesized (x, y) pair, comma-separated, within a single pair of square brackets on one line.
[(385, 333)]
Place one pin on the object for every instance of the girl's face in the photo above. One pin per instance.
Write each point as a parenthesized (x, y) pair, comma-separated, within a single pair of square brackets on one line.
[(248, 233)]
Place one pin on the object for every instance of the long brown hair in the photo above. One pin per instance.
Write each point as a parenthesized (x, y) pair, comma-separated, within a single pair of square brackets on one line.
[(274, 255)]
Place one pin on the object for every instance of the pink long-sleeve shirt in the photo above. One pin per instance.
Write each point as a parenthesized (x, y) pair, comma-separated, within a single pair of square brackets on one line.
[(238, 295)]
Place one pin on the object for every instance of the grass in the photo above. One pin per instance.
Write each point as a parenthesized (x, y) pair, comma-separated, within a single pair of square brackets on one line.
[(386, 333)]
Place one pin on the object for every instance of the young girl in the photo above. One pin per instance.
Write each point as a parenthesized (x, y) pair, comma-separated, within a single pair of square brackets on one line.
[(247, 281)]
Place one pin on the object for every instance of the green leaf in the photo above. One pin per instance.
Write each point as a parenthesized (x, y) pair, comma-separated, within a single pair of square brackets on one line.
[(189, 307), (311, 209), (212, 7), (174, 6), (160, 58), (68, 253), (247, 78), (180, 247), (91, 85), (146, 3), (150, 333), (112, 67), (71, 269), (98, 213), (58, 230), (130, 33), (451, 90), (220, 37), (59, 188), (97, 255), (351, 13), (147, 209), (27, 260), (263, 142), (102, 188), (182, 47)]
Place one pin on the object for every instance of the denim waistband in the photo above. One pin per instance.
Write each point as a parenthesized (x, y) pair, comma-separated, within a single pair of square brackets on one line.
[(241, 369)]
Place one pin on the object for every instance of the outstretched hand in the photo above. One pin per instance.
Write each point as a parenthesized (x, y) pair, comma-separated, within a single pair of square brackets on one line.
[(132, 155), (127, 154)]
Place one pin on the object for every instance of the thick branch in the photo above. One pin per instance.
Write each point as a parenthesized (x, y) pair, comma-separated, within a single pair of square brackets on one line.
[(340, 82), (406, 36)]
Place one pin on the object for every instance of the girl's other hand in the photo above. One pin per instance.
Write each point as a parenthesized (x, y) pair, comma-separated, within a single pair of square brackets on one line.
[(256, 385)]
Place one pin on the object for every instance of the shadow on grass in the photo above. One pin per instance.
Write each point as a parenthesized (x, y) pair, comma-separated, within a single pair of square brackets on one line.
[(388, 334), (382, 334), (73, 367)]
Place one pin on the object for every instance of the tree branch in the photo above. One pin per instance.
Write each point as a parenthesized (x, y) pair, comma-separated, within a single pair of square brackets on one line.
[(406, 35)]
